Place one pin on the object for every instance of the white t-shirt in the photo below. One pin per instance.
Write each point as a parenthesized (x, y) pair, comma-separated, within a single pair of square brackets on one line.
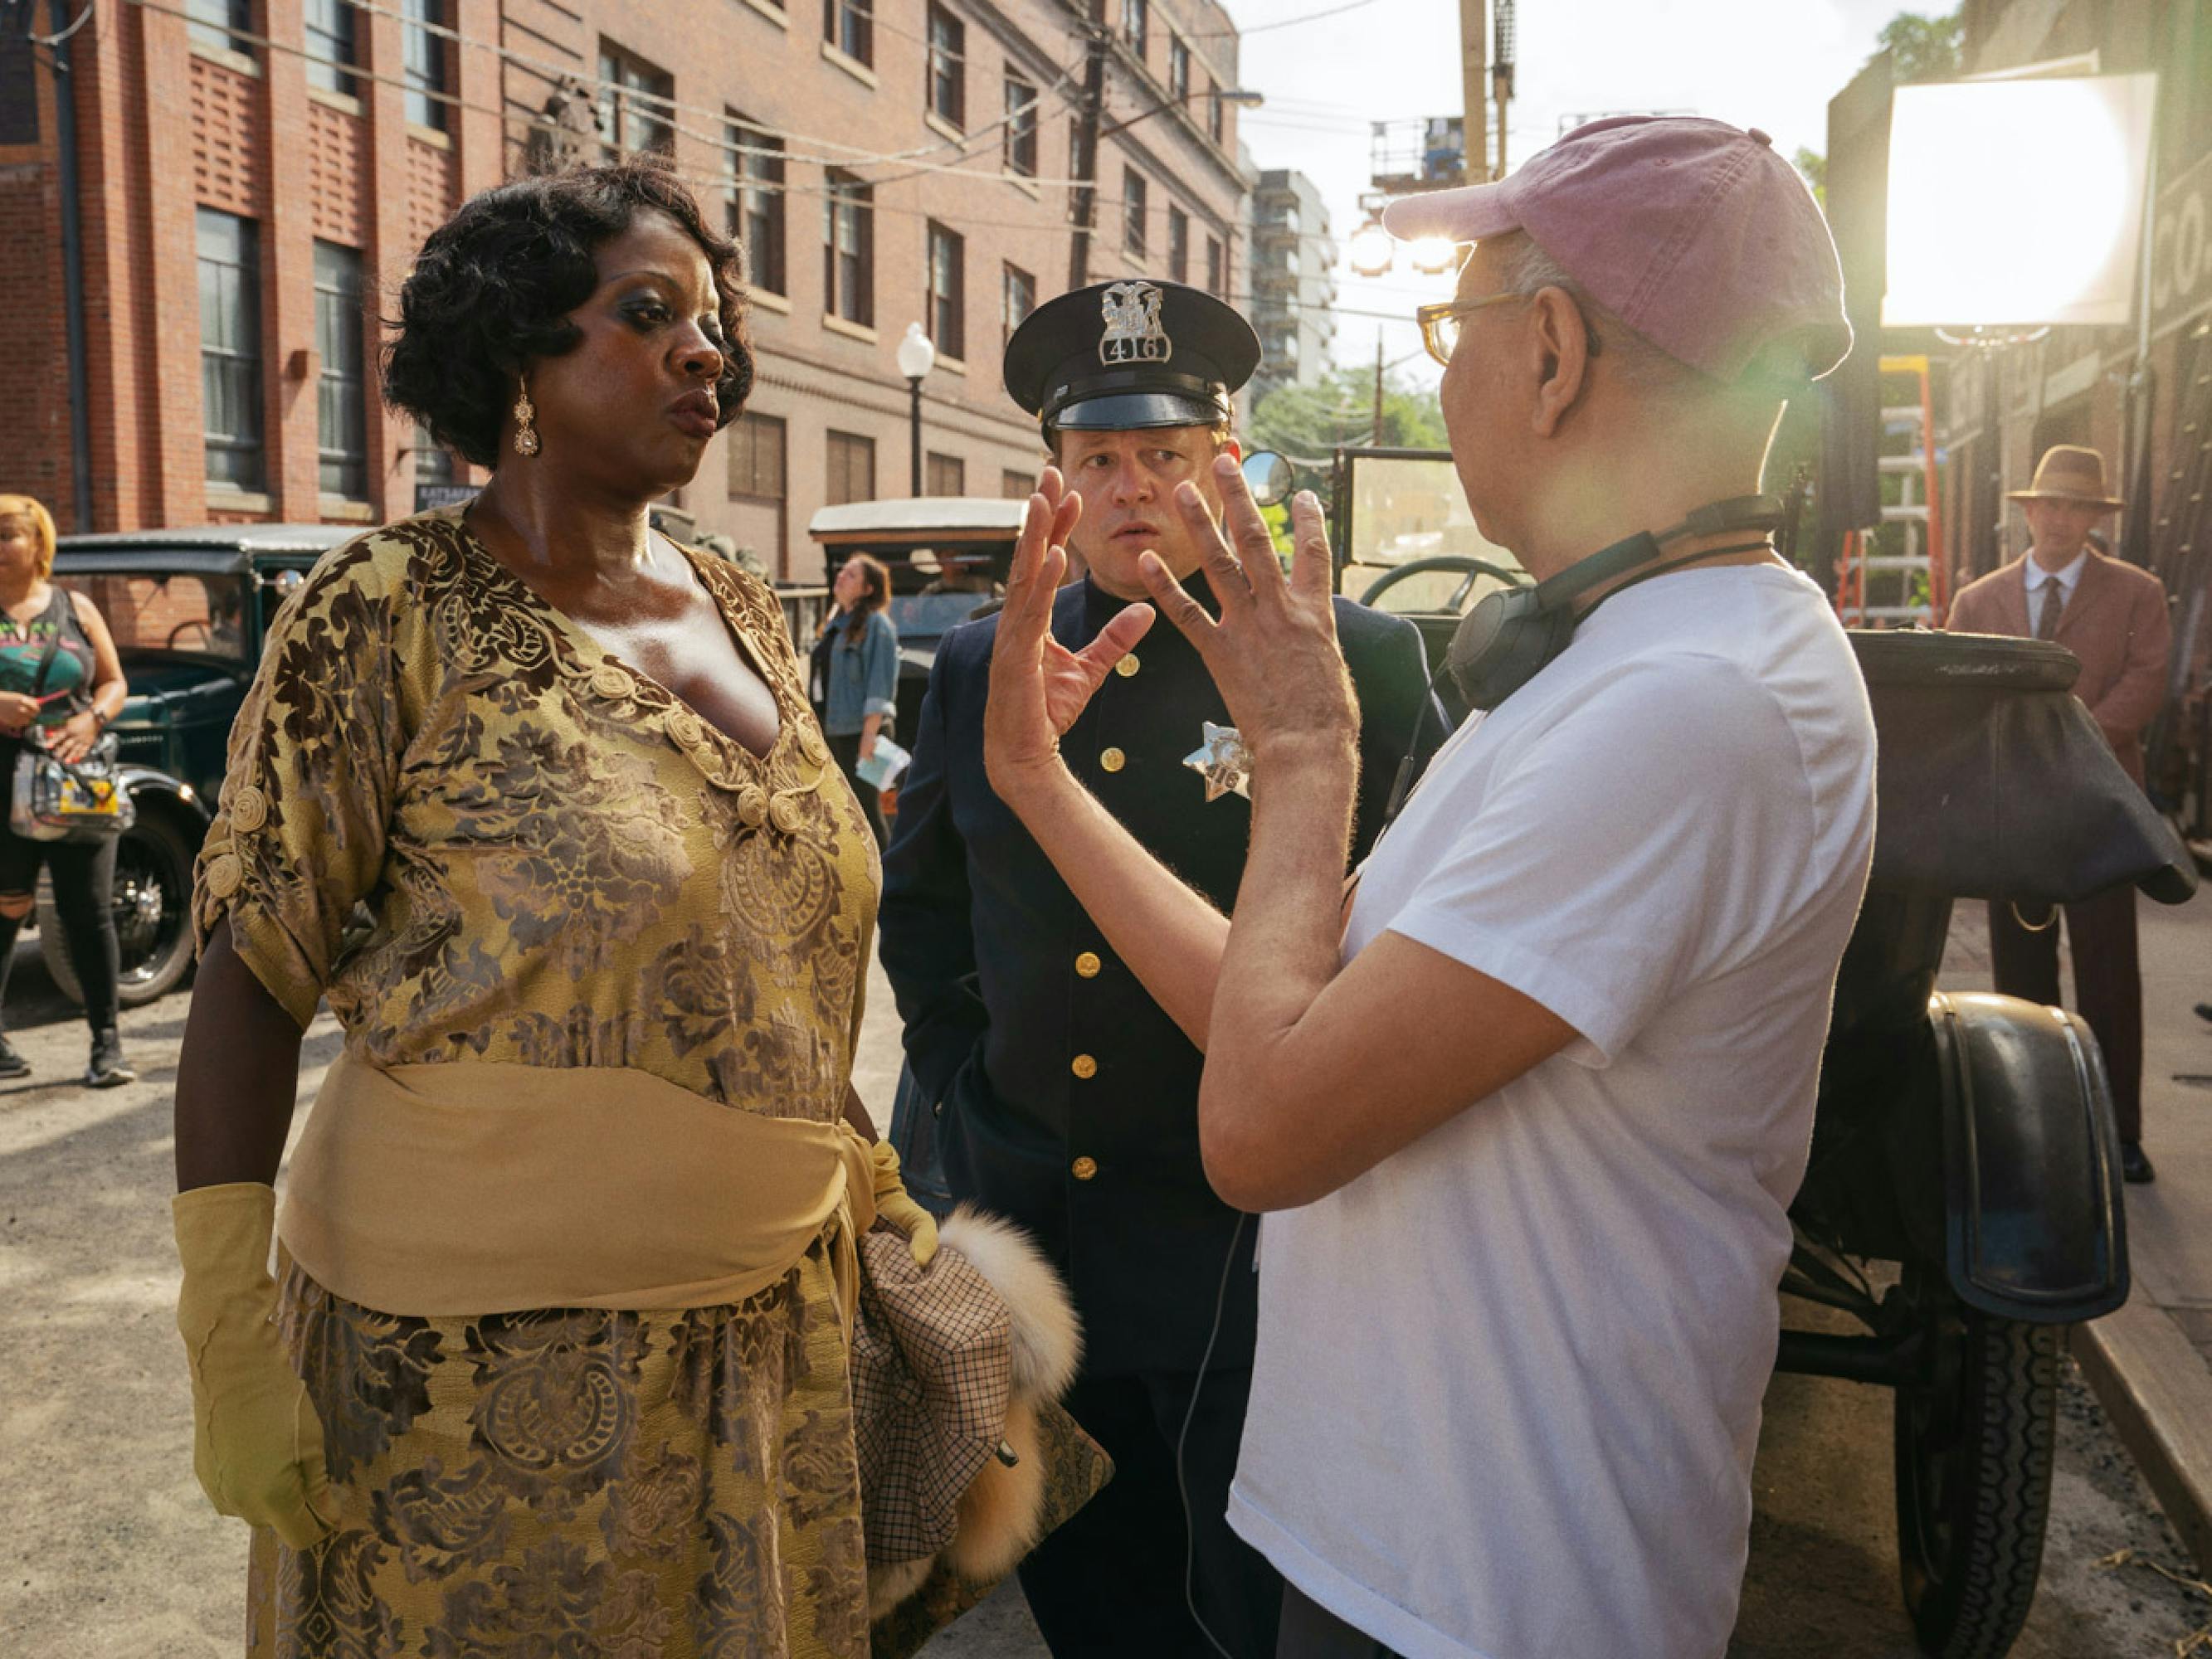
[(1508, 1382)]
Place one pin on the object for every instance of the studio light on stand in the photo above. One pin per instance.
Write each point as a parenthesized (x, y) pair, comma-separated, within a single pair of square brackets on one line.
[(1434, 255), (2017, 203), (1976, 167), (1370, 249)]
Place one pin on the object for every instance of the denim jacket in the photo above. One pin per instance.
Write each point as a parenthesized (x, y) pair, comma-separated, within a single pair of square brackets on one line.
[(863, 681)]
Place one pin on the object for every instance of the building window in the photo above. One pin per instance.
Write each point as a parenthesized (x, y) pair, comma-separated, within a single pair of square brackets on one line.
[(756, 203), (1017, 486), (1178, 244), (1213, 267), (230, 347), (636, 102), (432, 464), (19, 89), (946, 474), (333, 46), (1021, 128), (221, 24), (423, 62), (1136, 24), (948, 285), (1179, 69), (852, 468), (848, 254), (1133, 189), (1017, 297), (1214, 121), (757, 470), (948, 67), (341, 420), (846, 25)]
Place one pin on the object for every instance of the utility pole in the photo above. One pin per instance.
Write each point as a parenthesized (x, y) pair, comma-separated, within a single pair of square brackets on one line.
[(1084, 164), (1378, 438), (1501, 75), (1474, 134)]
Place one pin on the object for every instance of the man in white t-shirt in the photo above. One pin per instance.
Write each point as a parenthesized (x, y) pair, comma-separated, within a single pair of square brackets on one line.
[(1528, 1111)]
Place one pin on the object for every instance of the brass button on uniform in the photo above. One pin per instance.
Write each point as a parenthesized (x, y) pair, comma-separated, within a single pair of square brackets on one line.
[(1087, 965), (1083, 1168), (249, 809), (1084, 1066), (1113, 760), (1126, 667)]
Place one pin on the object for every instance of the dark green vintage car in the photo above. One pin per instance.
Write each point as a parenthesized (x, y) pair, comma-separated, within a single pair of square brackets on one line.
[(188, 609)]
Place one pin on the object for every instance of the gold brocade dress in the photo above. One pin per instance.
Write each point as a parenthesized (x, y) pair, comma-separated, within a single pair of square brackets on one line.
[(481, 837)]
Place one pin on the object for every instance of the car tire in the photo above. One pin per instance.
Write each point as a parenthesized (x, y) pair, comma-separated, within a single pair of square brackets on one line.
[(153, 915), (1975, 1445)]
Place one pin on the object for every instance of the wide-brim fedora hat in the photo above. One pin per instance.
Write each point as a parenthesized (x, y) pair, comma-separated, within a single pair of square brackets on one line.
[(2069, 472)]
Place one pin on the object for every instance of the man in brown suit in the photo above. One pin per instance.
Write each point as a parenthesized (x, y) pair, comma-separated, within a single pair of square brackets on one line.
[(2112, 616)]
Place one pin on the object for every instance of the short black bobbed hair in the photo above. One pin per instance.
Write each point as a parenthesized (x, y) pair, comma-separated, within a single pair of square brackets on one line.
[(492, 288)]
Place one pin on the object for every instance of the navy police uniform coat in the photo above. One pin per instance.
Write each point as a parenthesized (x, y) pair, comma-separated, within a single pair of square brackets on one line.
[(1067, 1099)]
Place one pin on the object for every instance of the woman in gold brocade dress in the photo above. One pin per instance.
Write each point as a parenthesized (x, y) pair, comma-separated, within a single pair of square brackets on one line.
[(533, 798)]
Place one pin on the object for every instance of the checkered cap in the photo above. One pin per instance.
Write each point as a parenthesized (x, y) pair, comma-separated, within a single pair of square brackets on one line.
[(932, 1377)]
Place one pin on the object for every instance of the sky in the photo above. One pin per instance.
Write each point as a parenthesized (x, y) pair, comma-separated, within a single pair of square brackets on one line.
[(1769, 64)]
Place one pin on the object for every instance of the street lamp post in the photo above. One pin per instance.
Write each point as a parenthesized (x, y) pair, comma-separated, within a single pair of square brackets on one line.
[(917, 355)]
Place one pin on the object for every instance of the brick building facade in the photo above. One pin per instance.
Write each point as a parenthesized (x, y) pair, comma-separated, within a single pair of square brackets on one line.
[(254, 175)]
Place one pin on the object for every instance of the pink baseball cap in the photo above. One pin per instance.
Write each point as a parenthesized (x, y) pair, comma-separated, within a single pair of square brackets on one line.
[(1694, 232)]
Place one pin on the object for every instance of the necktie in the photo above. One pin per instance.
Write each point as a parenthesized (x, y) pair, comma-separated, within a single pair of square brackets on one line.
[(2054, 601)]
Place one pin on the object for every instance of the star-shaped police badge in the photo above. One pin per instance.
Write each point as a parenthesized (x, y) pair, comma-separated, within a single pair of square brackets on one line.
[(1224, 762)]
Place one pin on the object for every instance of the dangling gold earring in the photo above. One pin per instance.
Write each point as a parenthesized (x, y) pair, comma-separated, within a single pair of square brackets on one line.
[(525, 434)]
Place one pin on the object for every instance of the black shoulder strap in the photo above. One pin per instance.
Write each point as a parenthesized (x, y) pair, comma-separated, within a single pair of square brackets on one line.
[(46, 663)]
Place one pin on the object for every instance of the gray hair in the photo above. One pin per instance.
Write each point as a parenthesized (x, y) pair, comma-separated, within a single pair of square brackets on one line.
[(1528, 269)]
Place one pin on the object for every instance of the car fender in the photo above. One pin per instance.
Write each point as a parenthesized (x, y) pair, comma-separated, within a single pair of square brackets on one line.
[(2036, 1228), (151, 784)]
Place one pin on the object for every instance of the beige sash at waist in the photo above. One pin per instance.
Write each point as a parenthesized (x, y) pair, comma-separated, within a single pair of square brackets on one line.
[(484, 1187)]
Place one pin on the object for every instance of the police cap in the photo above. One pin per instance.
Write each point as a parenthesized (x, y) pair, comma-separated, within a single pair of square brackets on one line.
[(1121, 356)]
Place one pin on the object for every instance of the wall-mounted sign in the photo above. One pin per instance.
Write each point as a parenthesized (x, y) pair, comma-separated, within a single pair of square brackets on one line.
[(427, 495), (2181, 249)]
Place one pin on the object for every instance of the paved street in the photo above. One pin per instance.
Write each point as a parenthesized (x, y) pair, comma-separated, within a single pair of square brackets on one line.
[(109, 1552)]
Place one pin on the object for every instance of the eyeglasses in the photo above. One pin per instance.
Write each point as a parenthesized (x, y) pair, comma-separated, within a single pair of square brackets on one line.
[(1440, 322)]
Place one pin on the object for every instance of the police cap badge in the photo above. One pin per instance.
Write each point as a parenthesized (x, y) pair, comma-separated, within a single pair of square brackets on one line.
[(1130, 354)]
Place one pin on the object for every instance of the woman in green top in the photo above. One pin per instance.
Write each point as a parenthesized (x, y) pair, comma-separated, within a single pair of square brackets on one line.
[(60, 683)]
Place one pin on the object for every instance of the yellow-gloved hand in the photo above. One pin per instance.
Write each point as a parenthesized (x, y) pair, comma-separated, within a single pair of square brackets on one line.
[(257, 1443), (892, 1205)]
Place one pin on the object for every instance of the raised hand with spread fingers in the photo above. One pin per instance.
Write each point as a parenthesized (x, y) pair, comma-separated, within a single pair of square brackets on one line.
[(1038, 686), (1272, 651)]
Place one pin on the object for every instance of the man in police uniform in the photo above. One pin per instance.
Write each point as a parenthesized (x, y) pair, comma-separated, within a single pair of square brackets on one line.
[(1065, 1098)]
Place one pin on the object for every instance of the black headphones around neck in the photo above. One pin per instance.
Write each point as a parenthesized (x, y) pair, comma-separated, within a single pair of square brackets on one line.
[(1511, 634)]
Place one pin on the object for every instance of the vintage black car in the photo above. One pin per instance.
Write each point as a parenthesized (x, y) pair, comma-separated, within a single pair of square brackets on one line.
[(188, 609), (948, 556)]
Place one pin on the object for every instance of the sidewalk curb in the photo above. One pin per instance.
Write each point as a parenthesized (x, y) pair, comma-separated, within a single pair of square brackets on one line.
[(2157, 1389)]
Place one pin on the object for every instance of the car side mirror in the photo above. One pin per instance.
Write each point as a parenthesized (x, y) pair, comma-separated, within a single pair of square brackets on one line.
[(1267, 475)]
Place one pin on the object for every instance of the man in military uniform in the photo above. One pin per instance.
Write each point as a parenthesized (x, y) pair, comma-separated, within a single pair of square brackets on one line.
[(1065, 1098)]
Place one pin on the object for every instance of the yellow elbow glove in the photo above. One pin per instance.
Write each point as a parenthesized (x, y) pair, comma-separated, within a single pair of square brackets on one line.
[(892, 1205), (257, 1443)]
